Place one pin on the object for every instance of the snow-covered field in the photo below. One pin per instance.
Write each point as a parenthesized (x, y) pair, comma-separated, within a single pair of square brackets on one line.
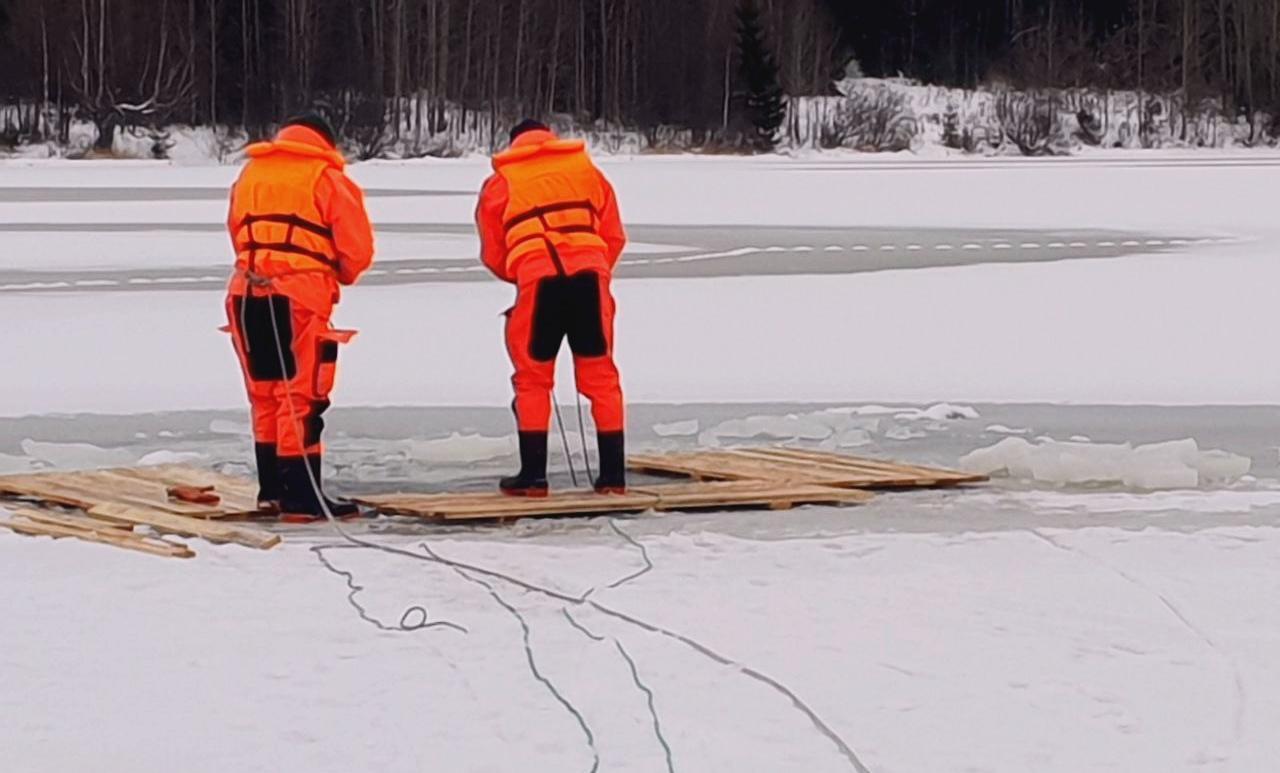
[(1025, 627)]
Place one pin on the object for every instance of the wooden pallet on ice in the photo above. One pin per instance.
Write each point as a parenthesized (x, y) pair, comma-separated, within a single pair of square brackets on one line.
[(793, 465), (141, 487), (662, 497)]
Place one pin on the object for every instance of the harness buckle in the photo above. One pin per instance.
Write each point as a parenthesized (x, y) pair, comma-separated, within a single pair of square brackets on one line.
[(255, 279)]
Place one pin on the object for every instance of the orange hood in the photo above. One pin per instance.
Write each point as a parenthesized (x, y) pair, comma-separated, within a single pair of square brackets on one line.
[(300, 141), (533, 143)]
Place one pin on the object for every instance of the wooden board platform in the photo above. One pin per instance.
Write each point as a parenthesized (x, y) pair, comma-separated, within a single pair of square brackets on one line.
[(773, 478), (141, 487), (662, 497), (792, 465)]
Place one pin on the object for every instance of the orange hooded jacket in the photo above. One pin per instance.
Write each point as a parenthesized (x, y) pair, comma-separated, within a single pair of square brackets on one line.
[(546, 210), (299, 221)]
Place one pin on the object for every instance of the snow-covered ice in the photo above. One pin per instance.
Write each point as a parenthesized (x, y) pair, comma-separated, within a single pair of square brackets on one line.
[(1111, 651), (1057, 621), (1109, 354)]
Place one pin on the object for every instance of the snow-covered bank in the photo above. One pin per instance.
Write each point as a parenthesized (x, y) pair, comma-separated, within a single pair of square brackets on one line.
[(870, 115), (873, 114)]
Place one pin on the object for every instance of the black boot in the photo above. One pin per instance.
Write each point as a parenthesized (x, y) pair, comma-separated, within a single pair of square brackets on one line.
[(532, 480), (303, 492), (269, 487), (613, 463)]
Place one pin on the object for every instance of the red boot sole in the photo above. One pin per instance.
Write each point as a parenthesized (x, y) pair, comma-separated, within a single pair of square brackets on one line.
[(536, 493), (307, 520)]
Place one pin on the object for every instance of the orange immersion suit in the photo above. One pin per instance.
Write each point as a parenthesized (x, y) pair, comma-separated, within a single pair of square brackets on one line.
[(300, 230), (549, 224)]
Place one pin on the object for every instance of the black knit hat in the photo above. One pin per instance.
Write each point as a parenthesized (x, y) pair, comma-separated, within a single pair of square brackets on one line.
[(316, 123), (528, 125)]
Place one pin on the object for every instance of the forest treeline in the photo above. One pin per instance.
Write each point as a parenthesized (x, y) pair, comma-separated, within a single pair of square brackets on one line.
[(412, 64)]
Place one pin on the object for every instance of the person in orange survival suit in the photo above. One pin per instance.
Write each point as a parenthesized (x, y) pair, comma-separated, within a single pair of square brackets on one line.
[(300, 230), (549, 224)]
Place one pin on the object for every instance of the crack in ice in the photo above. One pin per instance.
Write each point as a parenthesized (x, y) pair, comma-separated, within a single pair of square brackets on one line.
[(797, 702), (405, 626), (640, 685), (431, 556), (533, 666), (1178, 614)]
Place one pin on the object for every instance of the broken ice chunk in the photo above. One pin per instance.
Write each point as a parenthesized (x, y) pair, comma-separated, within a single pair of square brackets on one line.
[(1173, 465), (460, 449), (791, 427), (224, 427), (999, 459), (1218, 467), (1000, 429), (939, 412), (677, 429), (76, 455), (158, 458), (904, 433)]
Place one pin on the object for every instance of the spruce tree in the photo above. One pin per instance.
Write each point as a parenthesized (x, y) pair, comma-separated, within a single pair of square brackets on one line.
[(765, 104)]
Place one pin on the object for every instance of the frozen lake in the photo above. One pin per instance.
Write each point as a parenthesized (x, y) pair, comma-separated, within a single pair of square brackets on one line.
[(1020, 626)]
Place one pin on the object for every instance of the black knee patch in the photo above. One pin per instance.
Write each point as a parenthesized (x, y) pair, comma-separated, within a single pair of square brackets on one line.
[(568, 306), (259, 335), (586, 325), (328, 352), (549, 320), (315, 422)]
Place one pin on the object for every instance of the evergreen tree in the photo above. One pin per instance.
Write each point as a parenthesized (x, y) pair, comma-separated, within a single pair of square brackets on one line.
[(765, 104)]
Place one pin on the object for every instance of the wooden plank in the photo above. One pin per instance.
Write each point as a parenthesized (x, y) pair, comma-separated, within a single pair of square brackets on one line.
[(144, 487), (936, 473), (24, 523), (849, 473), (105, 487), (497, 505), (800, 466), (239, 495), (168, 523), (74, 521), (663, 497), (45, 490), (838, 471), (743, 467), (741, 494), (715, 465), (803, 455)]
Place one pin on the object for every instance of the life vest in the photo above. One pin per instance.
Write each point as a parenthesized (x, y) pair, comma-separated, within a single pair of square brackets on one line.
[(554, 197), (279, 230)]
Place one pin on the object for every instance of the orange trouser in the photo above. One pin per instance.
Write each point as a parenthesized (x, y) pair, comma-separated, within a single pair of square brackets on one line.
[(548, 310), (288, 403)]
